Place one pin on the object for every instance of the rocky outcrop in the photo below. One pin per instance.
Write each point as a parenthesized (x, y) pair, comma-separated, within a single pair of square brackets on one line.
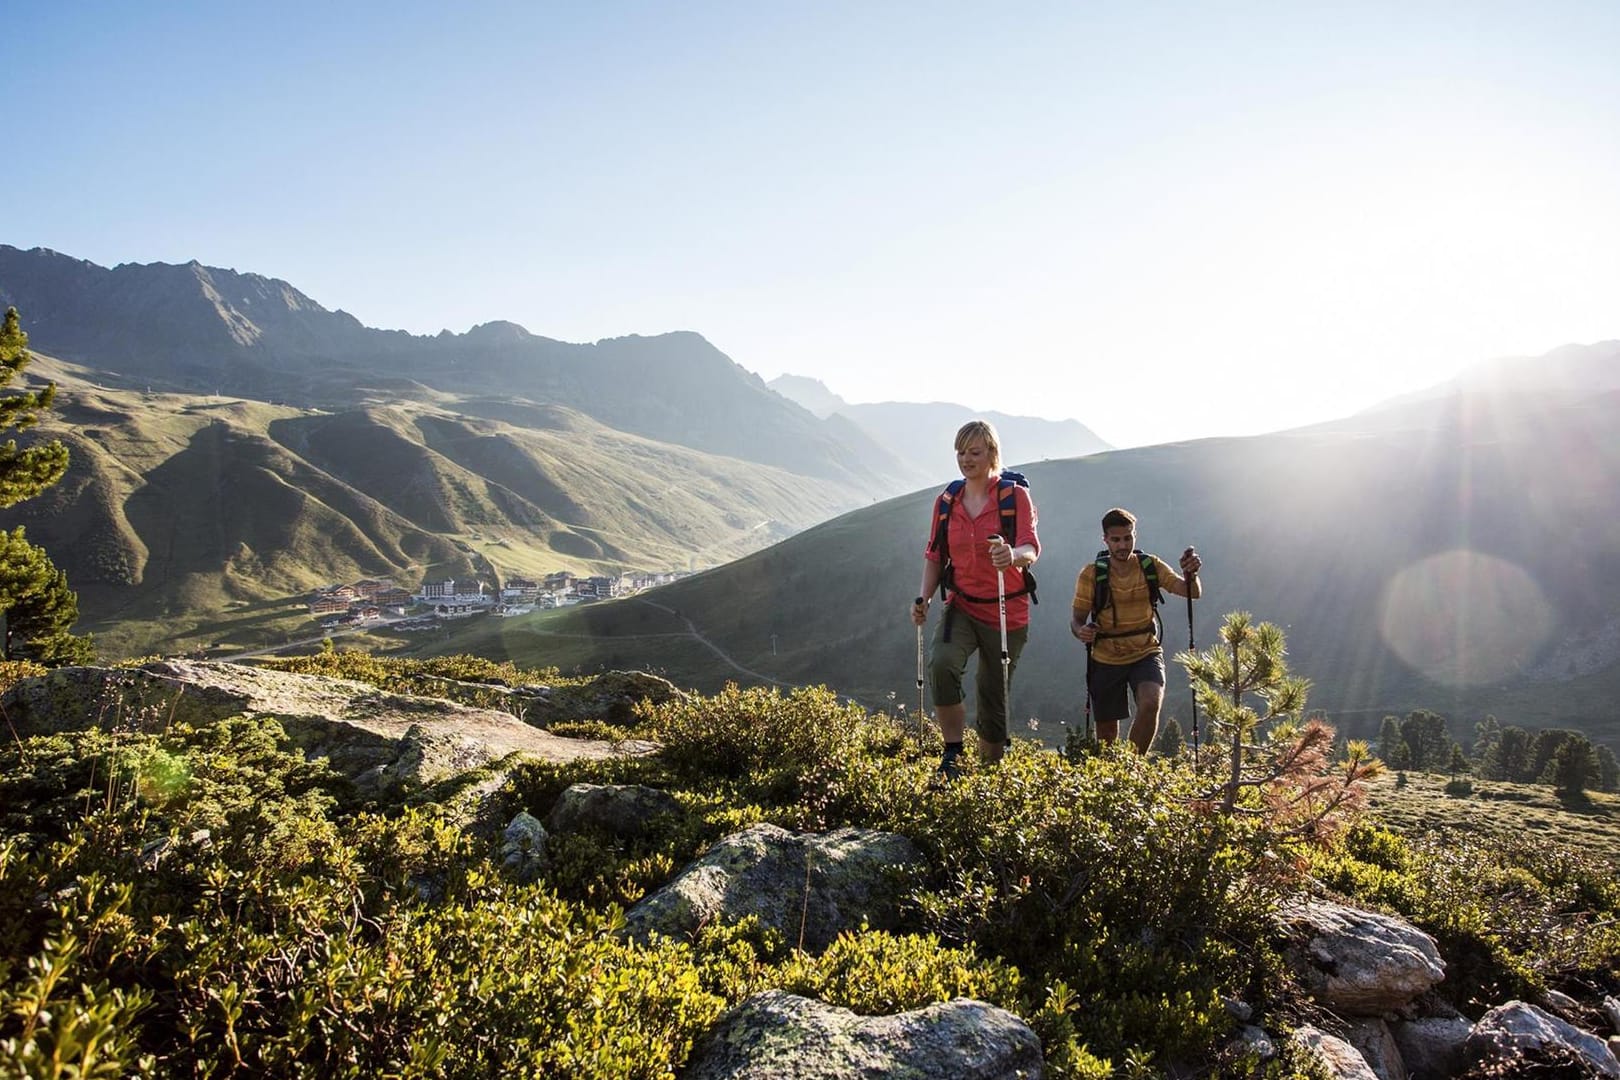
[(1357, 962), (378, 738), (808, 887), (1376, 1044), (1343, 1060), (780, 1036), (1431, 1046), (1516, 1034), (621, 810), (610, 697)]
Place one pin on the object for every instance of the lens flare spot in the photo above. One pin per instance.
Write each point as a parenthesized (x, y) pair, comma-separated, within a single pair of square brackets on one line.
[(1463, 618)]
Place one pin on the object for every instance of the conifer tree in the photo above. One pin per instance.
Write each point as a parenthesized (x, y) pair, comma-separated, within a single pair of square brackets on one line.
[(1573, 766), (1170, 740), (1273, 766), (1509, 756), (36, 604), (1608, 770), (24, 473), (1389, 740)]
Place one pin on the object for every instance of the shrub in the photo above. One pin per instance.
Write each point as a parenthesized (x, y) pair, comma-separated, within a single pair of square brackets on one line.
[(1511, 914), (760, 744)]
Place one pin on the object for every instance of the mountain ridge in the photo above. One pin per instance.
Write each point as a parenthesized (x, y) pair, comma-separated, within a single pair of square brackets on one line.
[(206, 330)]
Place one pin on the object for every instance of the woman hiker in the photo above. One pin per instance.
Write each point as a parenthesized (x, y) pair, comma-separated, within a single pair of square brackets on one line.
[(983, 529)]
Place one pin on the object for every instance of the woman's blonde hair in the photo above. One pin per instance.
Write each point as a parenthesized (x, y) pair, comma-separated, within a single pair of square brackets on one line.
[(981, 431)]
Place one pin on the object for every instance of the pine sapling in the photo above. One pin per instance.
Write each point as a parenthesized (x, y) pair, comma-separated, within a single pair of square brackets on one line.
[(1255, 710)]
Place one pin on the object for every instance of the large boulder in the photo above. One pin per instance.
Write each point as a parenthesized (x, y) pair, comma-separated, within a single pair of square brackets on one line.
[(1356, 962), (809, 887), (523, 846), (622, 810), (373, 736), (1376, 1044), (1343, 1060), (1431, 1047), (779, 1036), (1517, 1034), (610, 697)]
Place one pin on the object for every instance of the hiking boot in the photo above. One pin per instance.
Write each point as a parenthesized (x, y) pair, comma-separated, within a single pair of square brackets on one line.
[(947, 771)]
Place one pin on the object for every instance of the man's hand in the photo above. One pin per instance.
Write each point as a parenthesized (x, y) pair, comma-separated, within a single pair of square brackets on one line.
[(1190, 562), (919, 610), (1085, 631)]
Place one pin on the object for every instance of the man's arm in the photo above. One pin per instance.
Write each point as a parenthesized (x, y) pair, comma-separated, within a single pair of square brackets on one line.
[(1192, 585)]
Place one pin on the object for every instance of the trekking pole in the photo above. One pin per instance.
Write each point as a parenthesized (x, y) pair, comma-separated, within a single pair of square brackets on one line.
[(1192, 648), (1001, 605), (920, 713), (1088, 694)]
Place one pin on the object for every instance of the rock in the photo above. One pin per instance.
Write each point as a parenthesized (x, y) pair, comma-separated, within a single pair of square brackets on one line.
[(620, 809), (1342, 1059), (523, 846), (1253, 1040), (1238, 1009), (611, 697), (1510, 1033), (1614, 1046), (780, 1036), (1376, 1044), (1358, 962), (854, 875), (1431, 1046), (363, 732), (1562, 1005), (1611, 1009)]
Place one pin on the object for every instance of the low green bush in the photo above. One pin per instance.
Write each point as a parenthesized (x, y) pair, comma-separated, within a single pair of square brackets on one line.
[(1512, 915)]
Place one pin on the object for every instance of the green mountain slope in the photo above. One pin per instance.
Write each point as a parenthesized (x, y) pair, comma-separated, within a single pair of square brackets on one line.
[(1461, 556), (180, 514)]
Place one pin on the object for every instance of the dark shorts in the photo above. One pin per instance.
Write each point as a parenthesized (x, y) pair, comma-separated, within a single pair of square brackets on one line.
[(1108, 683)]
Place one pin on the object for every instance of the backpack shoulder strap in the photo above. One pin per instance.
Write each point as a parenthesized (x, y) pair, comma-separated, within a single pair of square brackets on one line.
[(1099, 583), (1150, 571), (1007, 503), (942, 516)]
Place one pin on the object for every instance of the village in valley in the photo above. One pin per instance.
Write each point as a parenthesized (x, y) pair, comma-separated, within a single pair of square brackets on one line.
[(380, 600)]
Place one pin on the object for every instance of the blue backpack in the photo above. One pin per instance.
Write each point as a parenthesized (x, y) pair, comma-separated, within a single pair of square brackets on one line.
[(1007, 503)]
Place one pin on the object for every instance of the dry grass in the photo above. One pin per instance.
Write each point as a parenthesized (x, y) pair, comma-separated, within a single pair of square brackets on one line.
[(1499, 808)]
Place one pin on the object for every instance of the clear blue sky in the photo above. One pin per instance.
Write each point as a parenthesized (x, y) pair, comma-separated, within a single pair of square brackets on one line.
[(1280, 211)]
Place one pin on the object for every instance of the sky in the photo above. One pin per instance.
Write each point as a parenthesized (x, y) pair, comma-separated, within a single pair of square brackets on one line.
[(1165, 220)]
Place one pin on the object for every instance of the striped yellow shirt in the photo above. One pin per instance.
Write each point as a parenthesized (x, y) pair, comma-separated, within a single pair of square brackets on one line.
[(1127, 608)]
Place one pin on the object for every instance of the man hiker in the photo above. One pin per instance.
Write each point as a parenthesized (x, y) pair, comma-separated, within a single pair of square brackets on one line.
[(1115, 602), (981, 546)]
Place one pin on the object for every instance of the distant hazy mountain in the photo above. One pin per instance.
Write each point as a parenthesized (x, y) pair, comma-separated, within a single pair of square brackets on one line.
[(810, 393), (921, 435), (1569, 370), (199, 329), (1461, 555)]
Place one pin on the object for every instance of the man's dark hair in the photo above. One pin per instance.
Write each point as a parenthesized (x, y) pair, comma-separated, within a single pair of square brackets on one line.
[(1119, 518)]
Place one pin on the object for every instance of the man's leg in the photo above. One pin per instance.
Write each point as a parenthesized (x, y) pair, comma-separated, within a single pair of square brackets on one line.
[(1109, 700), (1149, 696), (1147, 687)]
